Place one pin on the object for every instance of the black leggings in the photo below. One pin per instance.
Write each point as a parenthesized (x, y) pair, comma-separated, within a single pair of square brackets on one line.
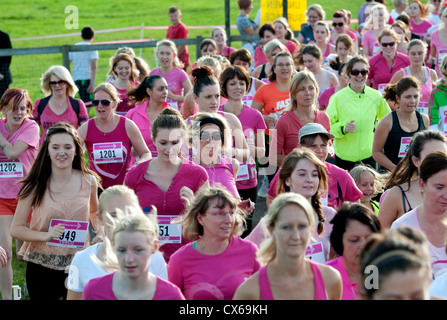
[(251, 194), (45, 283)]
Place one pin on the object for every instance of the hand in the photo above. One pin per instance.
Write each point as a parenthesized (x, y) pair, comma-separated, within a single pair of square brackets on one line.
[(55, 232), (91, 88), (187, 194), (350, 127), (247, 206), (3, 257), (2, 76), (270, 121)]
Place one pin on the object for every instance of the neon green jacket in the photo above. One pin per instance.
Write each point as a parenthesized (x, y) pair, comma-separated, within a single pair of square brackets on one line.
[(438, 98), (366, 109)]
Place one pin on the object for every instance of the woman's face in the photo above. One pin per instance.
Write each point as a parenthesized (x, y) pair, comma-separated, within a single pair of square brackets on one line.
[(313, 17), (435, 192), (220, 37), (378, 18), (123, 69), (280, 30), (61, 150), (133, 252), (292, 231), (103, 111), (218, 223), (271, 58), (410, 284), (340, 25), (358, 81), (17, 114), (353, 240), (210, 138), (236, 89), (208, 50), (388, 46), (166, 56), (414, 10), (367, 186), (409, 100), (429, 147), (304, 179), (168, 143), (58, 86), (209, 98), (268, 35), (342, 50), (320, 148), (244, 64), (399, 32), (305, 94), (117, 202), (284, 68), (320, 34), (310, 62), (159, 92)]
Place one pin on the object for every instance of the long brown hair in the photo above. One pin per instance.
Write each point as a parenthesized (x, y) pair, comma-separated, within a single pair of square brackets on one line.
[(36, 183)]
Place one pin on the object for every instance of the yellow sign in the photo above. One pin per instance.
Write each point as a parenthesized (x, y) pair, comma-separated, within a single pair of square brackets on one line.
[(272, 9)]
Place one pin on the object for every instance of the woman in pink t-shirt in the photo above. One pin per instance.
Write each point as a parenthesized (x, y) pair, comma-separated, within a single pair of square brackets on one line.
[(122, 67), (169, 180), (172, 70), (60, 104), (128, 254), (150, 99), (19, 140), (418, 24), (352, 225), (438, 43), (285, 34), (267, 32), (109, 138), (321, 36), (220, 37), (303, 110), (218, 260), (374, 25), (235, 83), (286, 273)]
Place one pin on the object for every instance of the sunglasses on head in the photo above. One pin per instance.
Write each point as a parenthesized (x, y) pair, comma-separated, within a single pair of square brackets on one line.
[(388, 44), (357, 72), (60, 82), (104, 102), (338, 24), (205, 135)]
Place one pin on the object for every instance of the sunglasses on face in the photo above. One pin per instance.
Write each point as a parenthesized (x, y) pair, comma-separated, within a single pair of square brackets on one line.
[(388, 44), (60, 82), (339, 24), (205, 135), (357, 72), (104, 102)]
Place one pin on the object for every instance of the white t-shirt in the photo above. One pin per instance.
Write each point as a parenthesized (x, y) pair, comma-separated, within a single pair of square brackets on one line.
[(81, 62), (83, 268), (438, 254)]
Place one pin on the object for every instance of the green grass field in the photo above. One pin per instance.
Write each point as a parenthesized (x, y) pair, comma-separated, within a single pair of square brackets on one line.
[(30, 18)]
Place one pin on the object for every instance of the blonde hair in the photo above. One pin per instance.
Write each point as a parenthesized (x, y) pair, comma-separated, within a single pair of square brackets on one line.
[(443, 68), (267, 251), (62, 73), (297, 82), (168, 43), (379, 179), (130, 219), (119, 190), (108, 88)]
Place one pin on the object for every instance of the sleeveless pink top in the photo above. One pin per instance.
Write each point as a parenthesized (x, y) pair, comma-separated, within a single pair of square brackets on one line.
[(111, 170), (266, 291), (425, 90)]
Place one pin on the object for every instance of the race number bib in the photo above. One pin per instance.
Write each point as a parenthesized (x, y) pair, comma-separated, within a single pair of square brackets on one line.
[(172, 103), (243, 173), (382, 87), (404, 144), (441, 54), (443, 119), (74, 236), (110, 152), (423, 107), (315, 252), (10, 168), (247, 100), (169, 233)]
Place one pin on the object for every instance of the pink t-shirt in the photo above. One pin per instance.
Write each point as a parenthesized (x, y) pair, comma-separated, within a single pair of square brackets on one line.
[(349, 291), (342, 186), (369, 41), (252, 122), (48, 117), (12, 171), (222, 175), (108, 153), (287, 129), (167, 203), (126, 104), (213, 277), (420, 29), (291, 46), (260, 57), (101, 288), (323, 97), (441, 51), (380, 73), (175, 79)]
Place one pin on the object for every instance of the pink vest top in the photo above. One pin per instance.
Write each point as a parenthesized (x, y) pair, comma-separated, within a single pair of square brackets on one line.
[(266, 291)]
